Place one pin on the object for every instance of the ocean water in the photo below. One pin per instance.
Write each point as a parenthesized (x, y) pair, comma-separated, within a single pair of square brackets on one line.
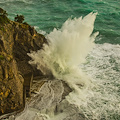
[(49, 14), (87, 61)]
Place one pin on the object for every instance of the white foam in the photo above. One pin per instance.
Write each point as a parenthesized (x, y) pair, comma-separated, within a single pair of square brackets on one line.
[(68, 48), (40, 31), (104, 66)]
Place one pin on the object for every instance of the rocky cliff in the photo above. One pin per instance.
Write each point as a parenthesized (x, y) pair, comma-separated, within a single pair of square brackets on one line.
[(16, 40)]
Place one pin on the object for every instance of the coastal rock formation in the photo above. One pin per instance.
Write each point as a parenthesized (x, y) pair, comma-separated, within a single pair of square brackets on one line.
[(16, 40)]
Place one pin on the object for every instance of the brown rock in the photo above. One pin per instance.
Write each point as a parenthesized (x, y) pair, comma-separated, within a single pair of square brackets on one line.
[(16, 40)]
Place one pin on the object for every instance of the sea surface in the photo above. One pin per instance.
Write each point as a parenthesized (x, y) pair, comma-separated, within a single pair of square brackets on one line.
[(50, 14), (75, 52)]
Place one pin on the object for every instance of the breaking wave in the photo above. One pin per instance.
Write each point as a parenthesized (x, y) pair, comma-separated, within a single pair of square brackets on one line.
[(67, 48)]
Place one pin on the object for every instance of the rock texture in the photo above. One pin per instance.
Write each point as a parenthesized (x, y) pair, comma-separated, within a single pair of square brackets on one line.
[(49, 103), (16, 40)]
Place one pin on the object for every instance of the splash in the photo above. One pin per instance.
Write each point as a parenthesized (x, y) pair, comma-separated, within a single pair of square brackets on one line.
[(67, 48)]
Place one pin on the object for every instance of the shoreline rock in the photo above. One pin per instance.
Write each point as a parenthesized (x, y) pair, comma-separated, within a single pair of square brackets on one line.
[(16, 40)]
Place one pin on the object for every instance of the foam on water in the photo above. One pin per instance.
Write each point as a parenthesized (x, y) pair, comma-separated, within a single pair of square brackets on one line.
[(103, 66)]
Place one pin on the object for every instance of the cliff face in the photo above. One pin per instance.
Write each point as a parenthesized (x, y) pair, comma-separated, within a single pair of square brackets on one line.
[(16, 40)]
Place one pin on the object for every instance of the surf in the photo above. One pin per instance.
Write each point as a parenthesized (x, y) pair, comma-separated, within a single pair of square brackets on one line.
[(67, 48)]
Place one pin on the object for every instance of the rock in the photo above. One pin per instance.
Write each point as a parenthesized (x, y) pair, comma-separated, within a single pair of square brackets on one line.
[(50, 103), (16, 40), (44, 102)]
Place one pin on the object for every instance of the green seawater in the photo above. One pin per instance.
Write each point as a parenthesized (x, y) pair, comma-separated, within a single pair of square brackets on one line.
[(50, 14)]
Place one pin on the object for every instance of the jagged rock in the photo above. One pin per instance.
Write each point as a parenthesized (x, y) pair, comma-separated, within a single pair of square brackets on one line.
[(16, 40)]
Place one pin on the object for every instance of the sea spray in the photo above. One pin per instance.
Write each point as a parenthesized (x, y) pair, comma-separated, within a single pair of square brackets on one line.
[(67, 48)]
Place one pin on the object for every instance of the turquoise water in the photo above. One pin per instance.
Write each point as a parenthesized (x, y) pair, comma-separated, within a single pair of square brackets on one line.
[(49, 14)]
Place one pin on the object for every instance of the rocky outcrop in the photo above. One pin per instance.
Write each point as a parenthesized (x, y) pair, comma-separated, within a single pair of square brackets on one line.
[(16, 40)]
